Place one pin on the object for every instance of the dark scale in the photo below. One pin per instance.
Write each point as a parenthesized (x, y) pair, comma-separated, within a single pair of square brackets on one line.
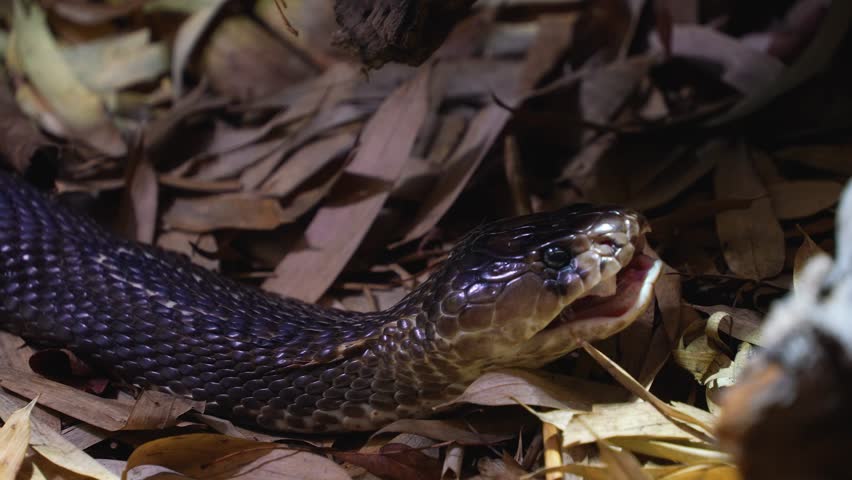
[(154, 319)]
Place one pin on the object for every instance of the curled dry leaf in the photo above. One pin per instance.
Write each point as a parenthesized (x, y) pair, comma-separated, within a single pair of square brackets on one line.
[(218, 457), (740, 323), (752, 239), (14, 440), (77, 107), (238, 44)]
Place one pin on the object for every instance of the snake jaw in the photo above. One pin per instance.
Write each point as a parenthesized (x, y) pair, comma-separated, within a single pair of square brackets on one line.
[(598, 314)]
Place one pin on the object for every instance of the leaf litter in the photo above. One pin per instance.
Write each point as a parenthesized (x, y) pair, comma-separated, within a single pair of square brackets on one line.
[(268, 155)]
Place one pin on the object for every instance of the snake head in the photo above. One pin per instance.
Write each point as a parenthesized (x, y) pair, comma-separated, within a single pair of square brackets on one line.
[(524, 291)]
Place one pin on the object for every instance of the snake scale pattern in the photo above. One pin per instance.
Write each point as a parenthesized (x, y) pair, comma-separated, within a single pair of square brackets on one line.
[(514, 293)]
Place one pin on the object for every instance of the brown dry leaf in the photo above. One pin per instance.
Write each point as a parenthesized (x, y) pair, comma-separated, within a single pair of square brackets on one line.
[(818, 55), (480, 135), (395, 462), (158, 410), (232, 210), (201, 186), (306, 162), (337, 230), (14, 441), (213, 457), (233, 162), (803, 198), (452, 467), (14, 352), (187, 38), (192, 245), (140, 200), (264, 63), (646, 345), (444, 430), (510, 386), (748, 70), (483, 130), (79, 109), (103, 413), (752, 239), (831, 158)]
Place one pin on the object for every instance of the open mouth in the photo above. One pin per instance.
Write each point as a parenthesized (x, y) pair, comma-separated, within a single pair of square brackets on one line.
[(614, 303)]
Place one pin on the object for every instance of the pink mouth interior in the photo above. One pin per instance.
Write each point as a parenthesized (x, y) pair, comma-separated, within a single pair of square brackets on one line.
[(629, 283)]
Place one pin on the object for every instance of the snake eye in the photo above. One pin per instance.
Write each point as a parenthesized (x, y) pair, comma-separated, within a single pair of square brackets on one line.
[(556, 257)]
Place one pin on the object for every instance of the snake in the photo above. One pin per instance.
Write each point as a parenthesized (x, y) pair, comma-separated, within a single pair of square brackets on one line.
[(514, 293)]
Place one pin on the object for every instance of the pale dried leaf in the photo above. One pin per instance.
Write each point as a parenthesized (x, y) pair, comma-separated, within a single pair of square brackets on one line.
[(55, 449), (621, 465), (637, 419), (510, 386), (807, 250), (14, 440), (103, 413)]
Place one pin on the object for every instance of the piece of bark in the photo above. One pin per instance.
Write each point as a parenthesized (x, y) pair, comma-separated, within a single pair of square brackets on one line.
[(405, 31), (788, 416)]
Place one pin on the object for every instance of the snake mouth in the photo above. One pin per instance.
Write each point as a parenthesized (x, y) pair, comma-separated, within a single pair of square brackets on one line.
[(604, 310), (627, 292)]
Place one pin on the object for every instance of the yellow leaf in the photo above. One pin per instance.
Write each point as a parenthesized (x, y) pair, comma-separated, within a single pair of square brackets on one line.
[(76, 106)]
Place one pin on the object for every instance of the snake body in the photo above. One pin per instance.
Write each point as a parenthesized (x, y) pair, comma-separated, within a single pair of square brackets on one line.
[(514, 293)]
